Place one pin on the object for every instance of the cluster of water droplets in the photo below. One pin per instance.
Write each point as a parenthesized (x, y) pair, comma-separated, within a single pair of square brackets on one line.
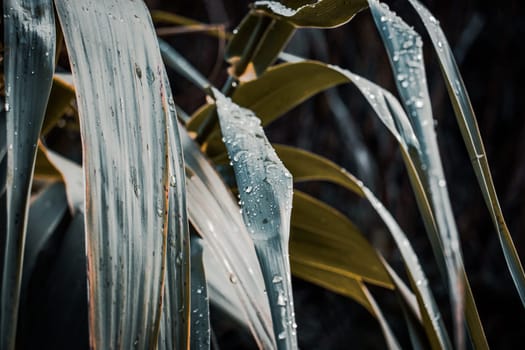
[(265, 193), (265, 185), (279, 9)]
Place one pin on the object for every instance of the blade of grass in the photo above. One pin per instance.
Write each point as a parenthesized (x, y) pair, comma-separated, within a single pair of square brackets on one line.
[(469, 129), (403, 45), (234, 270), (127, 167), (29, 39), (265, 188)]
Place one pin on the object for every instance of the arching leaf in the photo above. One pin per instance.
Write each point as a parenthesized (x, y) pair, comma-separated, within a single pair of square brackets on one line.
[(29, 41)]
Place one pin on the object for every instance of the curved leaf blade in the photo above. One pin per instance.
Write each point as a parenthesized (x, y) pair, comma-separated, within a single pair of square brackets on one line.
[(308, 166), (332, 281), (324, 238), (320, 14), (230, 260), (277, 91), (265, 188), (468, 126), (126, 181), (29, 34)]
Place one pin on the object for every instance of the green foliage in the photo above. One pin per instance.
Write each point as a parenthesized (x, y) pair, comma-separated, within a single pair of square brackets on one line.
[(148, 178)]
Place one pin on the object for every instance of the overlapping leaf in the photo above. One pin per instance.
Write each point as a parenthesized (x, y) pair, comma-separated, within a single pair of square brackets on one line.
[(124, 113), (234, 275), (471, 135), (29, 34), (265, 190)]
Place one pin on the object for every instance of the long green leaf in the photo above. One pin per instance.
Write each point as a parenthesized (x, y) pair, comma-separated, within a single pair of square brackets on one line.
[(469, 129), (230, 260), (277, 91), (323, 237), (29, 39), (265, 188), (124, 111), (320, 14), (404, 47)]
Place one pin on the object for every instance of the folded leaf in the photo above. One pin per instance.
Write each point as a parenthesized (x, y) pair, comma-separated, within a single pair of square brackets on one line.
[(320, 14)]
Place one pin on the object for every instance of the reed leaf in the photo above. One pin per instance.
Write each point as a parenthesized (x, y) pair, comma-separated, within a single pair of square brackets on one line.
[(469, 129), (230, 260), (29, 39), (126, 166), (265, 190)]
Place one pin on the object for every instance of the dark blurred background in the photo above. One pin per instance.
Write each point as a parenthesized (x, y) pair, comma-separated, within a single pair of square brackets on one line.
[(488, 42)]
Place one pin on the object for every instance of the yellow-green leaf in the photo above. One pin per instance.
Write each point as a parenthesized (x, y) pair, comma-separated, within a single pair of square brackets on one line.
[(324, 238), (332, 281), (320, 14)]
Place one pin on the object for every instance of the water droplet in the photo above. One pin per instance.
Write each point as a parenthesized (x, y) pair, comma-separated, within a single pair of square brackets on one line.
[(281, 299), (248, 189), (239, 154), (233, 278), (6, 107), (282, 335), (199, 291), (277, 279), (173, 181), (442, 183), (407, 44), (419, 103)]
